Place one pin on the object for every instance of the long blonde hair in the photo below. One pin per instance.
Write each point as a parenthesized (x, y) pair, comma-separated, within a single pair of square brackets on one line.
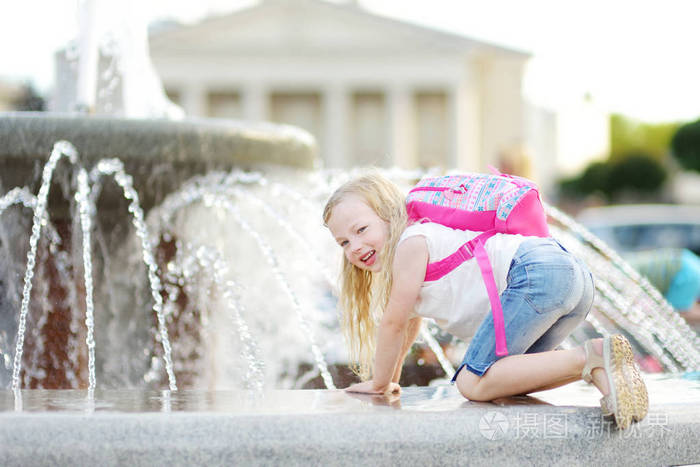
[(363, 295)]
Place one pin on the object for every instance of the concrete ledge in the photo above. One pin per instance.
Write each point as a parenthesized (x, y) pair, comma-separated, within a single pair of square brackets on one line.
[(428, 426), (330, 439)]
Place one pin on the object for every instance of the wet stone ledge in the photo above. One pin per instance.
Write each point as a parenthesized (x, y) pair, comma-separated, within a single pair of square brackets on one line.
[(425, 426)]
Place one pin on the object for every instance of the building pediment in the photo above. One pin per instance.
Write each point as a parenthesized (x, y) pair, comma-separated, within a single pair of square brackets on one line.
[(314, 27)]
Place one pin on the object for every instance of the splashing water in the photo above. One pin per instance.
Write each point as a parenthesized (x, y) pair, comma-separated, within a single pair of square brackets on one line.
[(60, 149), (195, 264), (129, 86), (270, 257), (255, 376), (21, 196), (213, 198), (115, 167), (86, 209)]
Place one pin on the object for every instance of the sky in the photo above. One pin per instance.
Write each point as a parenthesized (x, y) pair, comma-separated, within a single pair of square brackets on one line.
[(640, 58)]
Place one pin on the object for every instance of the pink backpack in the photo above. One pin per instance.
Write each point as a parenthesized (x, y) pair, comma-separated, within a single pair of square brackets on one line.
[(485, 203)]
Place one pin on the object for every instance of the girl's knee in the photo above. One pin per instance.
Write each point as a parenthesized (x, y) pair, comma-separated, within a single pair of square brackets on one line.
[(468, 385)]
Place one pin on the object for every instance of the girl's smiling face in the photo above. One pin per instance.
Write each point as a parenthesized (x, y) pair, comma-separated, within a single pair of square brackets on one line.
[(359, 231)]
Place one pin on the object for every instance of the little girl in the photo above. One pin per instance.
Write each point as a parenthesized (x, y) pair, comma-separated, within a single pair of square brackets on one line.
[(545, 293)]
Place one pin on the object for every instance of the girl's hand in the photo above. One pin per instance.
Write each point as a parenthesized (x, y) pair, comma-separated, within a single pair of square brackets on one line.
[(367, 387)]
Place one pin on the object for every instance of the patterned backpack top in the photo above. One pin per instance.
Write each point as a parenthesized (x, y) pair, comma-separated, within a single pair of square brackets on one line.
[(479, 202)]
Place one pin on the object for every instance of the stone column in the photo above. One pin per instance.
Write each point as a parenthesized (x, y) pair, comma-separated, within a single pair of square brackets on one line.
[(453, 130), (335, 116), (465, 135), (402, 137), (503, 107), (255, 102), (194, 100)]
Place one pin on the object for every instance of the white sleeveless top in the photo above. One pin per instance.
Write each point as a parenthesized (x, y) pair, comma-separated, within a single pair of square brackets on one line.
[(458, 301)]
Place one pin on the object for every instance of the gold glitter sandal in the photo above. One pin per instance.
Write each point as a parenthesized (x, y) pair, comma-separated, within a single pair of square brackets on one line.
[(627, 400), (640, 397)]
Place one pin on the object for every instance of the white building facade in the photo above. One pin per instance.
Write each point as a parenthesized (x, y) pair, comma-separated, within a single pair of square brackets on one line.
[(372, 90)]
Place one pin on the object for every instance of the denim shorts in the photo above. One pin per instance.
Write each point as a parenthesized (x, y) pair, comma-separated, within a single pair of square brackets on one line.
[(548, 294)]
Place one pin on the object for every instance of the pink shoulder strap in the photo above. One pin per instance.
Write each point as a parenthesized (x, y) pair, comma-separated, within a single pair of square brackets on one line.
[(492, 291), (475, 249)]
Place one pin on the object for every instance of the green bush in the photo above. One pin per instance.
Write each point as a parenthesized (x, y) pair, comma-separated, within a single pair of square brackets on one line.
[(685, 146), (594, 179), (634, 172)]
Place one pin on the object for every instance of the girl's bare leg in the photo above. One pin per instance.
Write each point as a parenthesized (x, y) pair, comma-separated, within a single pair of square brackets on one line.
[(523, 374)]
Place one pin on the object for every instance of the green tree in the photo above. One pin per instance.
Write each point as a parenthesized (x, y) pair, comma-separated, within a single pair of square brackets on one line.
[(685, 146), (628, 136)]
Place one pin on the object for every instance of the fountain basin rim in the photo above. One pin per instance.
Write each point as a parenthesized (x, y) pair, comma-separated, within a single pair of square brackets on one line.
[(217, 141)]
